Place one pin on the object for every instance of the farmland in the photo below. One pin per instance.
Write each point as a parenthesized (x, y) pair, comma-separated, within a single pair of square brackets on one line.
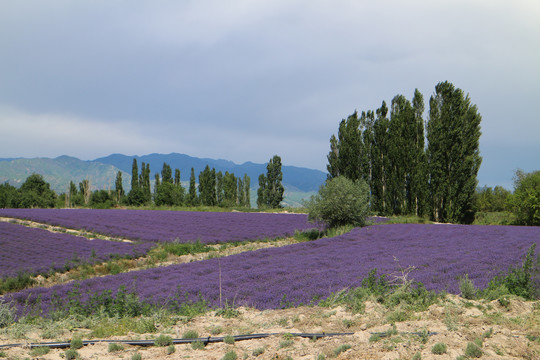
[(292, 276)]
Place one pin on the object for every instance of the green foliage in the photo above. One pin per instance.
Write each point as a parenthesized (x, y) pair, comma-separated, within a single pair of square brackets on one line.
[(258, 351), (197, 345), (340, 202), (9, 196), (522, 281), (467, 288), (71, 354), (76, 343), (270, 191), (417, 356), (229, 339), (21, 281), (39, 351), (101, 199), (163, 340), (453, 134), (171, 349), (473, 351), (231, 355), (190, 334), (136, 356), (114, 347), (341, 348), (525, 202), (492, 200), (439, 348), (192, 198)]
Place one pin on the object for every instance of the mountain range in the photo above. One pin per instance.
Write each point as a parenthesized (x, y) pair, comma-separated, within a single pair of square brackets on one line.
[(299, 182)]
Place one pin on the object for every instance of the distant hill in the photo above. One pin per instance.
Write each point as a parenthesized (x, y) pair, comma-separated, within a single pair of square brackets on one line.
[(60, 171), (299, 182), (294, 178)]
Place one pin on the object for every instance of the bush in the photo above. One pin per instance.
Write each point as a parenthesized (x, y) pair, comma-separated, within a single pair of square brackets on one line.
[(231, 355), (76, 343), (340, 201), (113, 347), (163, 340), (7, 314), (439, 349), (467, 288), (136, 356), (71, 354), (229, 339), (473, 351), (525, 202)]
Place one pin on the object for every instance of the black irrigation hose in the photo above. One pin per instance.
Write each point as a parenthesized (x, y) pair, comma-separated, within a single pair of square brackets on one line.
[(205, 340)]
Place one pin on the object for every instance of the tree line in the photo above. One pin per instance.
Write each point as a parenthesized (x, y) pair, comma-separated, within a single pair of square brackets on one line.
[(410, 165)]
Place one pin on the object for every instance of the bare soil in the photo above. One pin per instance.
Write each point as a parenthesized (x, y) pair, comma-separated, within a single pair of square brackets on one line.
[(455, 322)]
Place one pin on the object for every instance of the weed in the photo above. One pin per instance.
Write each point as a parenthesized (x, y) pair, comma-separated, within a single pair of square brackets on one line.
[(374, 338), (114, 347), (473, 351), (171, 349), (227, 312), (467, 288), (348, 323), (341, 349), (7, 314), (217, 330), (285, 343), (3, 354), (39, 351), (76, 343), (497, 350), (163, 340), (229, 339), (190, 334), (321, 357), (136, 356), (71, 354), (439, 349), (417, 356), (424, 335), (258, 351), (231, 355), (487, 333), (504, 301), (197, 345)]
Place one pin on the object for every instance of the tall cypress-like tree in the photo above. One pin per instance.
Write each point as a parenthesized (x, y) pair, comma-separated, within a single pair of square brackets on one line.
[(419, 179), (346, 150), (247, 196), (134, 174), (262, 193), (274, 187), (119, 187), (380, 162), (453, 133), (193, 200)]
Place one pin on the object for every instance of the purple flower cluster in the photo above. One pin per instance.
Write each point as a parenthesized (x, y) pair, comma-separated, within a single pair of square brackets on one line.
[(184, 226), (24, 249), (300, 272)]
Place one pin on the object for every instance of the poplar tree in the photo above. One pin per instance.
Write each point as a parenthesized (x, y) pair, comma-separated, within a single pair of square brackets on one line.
[(247, 195), (193, 200), (134, 175), (270, 192), (119, 187), (380, 162), (453, 134)]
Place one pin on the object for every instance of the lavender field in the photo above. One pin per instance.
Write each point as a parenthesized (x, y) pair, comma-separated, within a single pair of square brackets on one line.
[(165, 226), (34, 250), (301, 272)]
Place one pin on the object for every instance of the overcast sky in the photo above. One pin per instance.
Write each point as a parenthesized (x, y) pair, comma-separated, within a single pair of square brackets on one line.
[(243, 80)]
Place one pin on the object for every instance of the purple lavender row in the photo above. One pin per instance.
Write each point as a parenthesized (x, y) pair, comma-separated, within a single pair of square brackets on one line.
[(24, 249), (304, 271), (148, 225)]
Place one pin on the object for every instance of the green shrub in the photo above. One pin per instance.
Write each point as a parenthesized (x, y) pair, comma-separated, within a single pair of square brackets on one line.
[(171, 349), (258, 351), (229, 339), (114, 347), (231, 355), (339, 202), (417, 356), (190, 334), (71, 354), (197, 345), (341, 349), (7, 314), (525, 201), (76, 343), (467, 288), (39, 351), (473, 351), (136, 356), (439, 349), (163, 340)]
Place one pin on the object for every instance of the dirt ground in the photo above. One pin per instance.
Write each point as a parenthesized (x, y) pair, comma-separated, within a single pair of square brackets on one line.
[(510, 332)]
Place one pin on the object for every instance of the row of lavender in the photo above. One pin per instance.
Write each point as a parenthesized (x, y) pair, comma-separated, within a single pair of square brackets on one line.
[(35, 251), (304, 271), (165, 226)]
